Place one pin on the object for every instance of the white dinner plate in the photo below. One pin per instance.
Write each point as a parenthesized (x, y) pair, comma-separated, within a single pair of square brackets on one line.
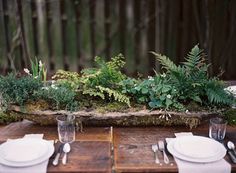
[(25, 152), (197, 146), (186, 155)]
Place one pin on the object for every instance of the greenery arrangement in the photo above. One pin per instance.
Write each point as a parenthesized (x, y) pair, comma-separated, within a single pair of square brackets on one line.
[(176, 88)]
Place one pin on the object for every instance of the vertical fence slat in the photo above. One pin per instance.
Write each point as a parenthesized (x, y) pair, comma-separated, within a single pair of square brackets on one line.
[(49, 33), (92, 8), (15, 52), (122, 25), (25, 50), (5, 18), (35, 27), (78, 8), (107, 24), (42, 30), (63, 30), (151, 34), (71, 35), (137, 33), (28, 28)]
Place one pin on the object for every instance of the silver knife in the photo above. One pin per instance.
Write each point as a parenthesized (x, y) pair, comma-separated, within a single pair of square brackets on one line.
[(56, 159)]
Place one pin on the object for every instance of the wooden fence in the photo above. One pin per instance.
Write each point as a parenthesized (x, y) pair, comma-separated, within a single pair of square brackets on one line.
[(68, 34)]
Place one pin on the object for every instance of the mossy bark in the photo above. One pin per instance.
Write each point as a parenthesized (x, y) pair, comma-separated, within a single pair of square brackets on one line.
[(136, 118)]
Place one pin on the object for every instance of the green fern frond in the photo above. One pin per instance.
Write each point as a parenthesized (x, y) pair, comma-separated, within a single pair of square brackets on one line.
[(115, 94), (167, 63), (216, 93), (94, 93), (194, 58), (195, 63)]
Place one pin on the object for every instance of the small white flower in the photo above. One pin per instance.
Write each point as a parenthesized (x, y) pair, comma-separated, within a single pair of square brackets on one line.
[(45, 88), (27, 71), (35, 77), (150, 78), (163, 75), (54, 86), (168, 96), (40, 64), (186, 111)]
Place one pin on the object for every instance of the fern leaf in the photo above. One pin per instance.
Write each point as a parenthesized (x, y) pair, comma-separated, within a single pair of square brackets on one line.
[(216, 93), (94, 93), (115, 94)]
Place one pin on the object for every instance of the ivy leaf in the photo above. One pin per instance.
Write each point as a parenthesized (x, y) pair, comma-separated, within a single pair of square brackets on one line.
[(168, 102), (142, 99), (144, 90), (165, 89), (154, 104), (197, 99)]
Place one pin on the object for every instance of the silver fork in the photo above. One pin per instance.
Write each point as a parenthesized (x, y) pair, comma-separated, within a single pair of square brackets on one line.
[(155, 149), (162, 149)]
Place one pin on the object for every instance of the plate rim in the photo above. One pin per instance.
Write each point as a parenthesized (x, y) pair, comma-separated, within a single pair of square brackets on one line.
[(47, 155), (201, 137), (195, 160), (4, 145)]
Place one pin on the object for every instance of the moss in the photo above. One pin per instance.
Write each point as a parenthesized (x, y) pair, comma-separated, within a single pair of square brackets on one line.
[(230, 116), (6, 118), (36, 105), (112, 107)]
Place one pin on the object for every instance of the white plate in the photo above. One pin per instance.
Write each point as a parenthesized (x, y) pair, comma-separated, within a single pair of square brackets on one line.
[(27, 156), (197, 146), (220, 154)]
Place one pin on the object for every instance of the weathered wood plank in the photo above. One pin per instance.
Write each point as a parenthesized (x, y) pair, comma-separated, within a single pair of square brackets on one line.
[(19, 129), (90, 152), (132, 147)]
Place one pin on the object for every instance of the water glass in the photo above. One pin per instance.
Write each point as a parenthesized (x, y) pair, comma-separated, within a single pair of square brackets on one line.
[(217, 128), (66, 128)]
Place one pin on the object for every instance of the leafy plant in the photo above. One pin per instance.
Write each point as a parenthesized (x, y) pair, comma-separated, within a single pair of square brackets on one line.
[(60, 96), (192, 82), (103, 81), (38, 70), (108, 74), (117, 96), (18, 90), (154, 91), (71, 78)]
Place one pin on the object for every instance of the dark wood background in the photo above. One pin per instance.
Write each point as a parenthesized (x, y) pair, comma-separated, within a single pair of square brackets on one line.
[(67, 34)]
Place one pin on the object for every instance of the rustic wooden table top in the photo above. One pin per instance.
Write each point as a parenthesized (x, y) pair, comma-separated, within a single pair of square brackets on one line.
[(92, 151)]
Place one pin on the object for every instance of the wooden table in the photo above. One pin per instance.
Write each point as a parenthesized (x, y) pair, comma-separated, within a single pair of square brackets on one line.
[(92, 151)]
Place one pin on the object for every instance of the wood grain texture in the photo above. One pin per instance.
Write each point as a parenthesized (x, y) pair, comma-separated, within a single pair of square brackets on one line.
[(19, 129), (132, 147), (86, 156), (91, 152)]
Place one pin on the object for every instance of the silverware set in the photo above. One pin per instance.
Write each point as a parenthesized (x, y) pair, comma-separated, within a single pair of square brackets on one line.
[(160, 147), (62, 148)]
